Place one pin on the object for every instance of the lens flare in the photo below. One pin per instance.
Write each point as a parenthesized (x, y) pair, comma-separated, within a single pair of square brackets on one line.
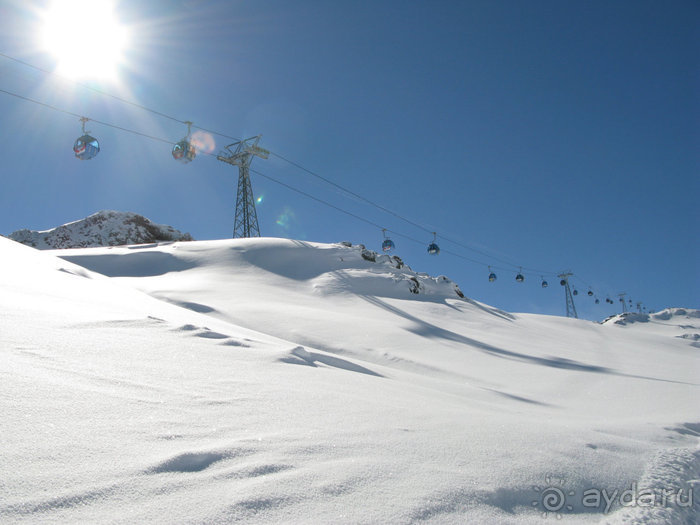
[(286, 218), (203, 141), (288, 224)]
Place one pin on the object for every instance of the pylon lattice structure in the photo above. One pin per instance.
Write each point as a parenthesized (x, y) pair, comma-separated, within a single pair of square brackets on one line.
[(570, 306), (622, 300), (245, 223)]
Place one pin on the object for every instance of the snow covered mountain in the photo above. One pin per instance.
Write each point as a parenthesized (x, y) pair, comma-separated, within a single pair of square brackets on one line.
[(104, 228), (684, 322), (280, 381)]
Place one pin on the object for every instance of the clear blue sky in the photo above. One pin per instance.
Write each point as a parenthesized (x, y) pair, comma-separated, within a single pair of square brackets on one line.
[(552, 135)]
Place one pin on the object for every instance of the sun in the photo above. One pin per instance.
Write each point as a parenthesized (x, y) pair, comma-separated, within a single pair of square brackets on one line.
[(85, 37)]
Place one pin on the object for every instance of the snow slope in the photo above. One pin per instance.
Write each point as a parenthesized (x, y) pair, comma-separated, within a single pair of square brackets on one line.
[(279, 381), (104, 228)]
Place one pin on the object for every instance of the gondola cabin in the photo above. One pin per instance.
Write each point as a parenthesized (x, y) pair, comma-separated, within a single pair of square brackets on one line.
[(520, 277), (184, 151), (86, 147), (388, 245), (433, 248), (544, 283), (492, 277)]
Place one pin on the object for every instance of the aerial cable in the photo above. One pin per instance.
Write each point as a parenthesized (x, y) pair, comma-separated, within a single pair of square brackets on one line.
[(41, 103), (356, 195), (77, 115), (127, 130), (326, 203), (49, 106), (115, 97), (91, 88), (391, 212), (170, 142), (378, 206), (301, 192), (291, 162)]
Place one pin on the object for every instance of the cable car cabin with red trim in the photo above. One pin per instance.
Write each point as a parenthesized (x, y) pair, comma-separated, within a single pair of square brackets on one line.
[(184, 151), (86, 147)]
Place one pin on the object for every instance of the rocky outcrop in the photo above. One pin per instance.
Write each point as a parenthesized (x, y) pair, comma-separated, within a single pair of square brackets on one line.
[(104, 228)]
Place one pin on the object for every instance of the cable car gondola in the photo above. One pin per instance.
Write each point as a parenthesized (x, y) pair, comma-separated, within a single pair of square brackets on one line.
[(544, 283), (388, 244), (184, 151), (520, 277), (433, 248), (590, 293), (86, 147), (492, 276)]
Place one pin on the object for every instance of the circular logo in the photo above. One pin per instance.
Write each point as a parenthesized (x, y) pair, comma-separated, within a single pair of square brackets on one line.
[(553, 499)]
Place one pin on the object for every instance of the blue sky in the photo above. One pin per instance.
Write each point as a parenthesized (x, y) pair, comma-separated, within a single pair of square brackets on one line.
[(548, 135)]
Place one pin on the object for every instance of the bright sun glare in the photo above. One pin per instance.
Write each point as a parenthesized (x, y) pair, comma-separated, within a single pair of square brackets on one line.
[(85, 37)]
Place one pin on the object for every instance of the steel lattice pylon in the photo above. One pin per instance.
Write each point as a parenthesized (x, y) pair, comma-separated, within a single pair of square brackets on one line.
[(570, 306), (622, 301), (245, 223)]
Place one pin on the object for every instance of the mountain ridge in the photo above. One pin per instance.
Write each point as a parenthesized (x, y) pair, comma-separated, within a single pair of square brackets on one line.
[(104, 228)]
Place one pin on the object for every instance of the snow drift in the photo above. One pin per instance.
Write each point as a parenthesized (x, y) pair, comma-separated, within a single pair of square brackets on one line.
[(279, 381)]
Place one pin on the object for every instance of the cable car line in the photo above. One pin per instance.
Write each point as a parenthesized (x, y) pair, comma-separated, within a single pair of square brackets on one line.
[(254, 171), (182, 143), (91, 88), (379, 206), (324, 179), (77, 115), (140, 106), (115, 97), (358, 217), (188, 157), (433, 249), (363, 219)]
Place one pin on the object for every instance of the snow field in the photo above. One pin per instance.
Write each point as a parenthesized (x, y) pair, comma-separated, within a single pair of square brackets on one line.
[(277, 381)]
